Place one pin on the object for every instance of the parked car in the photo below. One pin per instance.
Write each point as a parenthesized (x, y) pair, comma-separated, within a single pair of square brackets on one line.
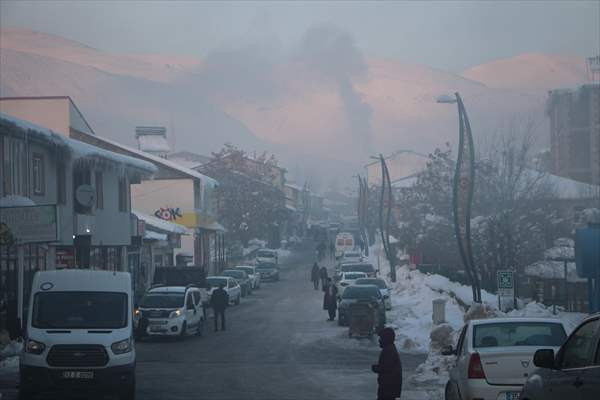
[(574, 373), (231, 286), (361, 293), (347, 279), (79, 335), (380, 283), (352, 257), (494, 356), (268, 271), (171, 311), (367, 268), (267, 256), (252, 274), (242, 278)]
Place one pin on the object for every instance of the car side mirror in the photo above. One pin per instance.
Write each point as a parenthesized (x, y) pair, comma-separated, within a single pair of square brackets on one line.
[(448, 351), (544, 358)]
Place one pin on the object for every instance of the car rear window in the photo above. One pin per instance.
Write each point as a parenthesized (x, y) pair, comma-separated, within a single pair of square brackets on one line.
[(265, 254), (361, 292), (503, 334), (366, 268), (354, 275), (380, 283)]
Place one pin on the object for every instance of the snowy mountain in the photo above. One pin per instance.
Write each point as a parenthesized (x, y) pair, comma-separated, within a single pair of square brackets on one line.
[(287, 107)]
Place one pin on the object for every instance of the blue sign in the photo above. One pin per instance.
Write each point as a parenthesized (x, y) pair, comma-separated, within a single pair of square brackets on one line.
[(587, 252)]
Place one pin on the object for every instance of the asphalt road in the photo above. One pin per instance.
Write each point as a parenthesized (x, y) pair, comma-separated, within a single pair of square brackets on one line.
[(278, 346)]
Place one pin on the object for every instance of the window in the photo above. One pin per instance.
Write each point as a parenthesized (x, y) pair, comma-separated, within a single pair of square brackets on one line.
[(197, 195), (81, 177), (15, 163), (122, 195), (189, 303), (196, 298), (99, 190), (61, 183), (578, 352), (503, 334), (39, 179)]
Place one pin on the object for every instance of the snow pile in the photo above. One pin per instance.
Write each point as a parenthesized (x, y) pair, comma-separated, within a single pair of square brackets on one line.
[(9, 355)]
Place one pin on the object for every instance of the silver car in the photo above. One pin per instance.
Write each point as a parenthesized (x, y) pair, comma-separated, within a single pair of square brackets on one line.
[(494, 356), (253, 274)]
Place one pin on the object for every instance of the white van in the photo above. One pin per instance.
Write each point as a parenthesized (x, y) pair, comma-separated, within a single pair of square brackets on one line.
[(344, 241), (79, 334)]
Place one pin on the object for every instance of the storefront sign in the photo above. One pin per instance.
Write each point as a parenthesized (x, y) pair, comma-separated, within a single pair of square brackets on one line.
[(31, 224), (65, 258)]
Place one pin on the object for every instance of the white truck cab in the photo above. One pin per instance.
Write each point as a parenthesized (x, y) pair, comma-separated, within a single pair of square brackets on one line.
[(79, 334)]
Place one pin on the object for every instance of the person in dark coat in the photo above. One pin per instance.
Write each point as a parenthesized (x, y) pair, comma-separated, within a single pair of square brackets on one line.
[(219, 302), (389, 367), (323, 275), (314, 275), (330, 299)]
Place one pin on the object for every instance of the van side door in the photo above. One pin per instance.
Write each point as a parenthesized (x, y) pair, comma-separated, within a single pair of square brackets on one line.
[(191, 314)]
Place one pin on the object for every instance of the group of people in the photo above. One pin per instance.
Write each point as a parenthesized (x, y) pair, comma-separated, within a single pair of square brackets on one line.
[(389, 366)]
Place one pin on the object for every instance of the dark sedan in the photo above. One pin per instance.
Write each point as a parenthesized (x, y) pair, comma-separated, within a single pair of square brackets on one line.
[(574, 373), (361, 293)]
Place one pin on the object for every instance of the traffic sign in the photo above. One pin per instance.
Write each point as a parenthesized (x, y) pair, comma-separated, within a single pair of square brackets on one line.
[(506, 283)]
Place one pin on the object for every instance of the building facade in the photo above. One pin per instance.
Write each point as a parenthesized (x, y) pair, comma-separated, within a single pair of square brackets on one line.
[(575, 132)]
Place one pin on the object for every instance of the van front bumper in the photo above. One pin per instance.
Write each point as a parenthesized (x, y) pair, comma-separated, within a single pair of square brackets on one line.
[(164, 327), (44, 380)]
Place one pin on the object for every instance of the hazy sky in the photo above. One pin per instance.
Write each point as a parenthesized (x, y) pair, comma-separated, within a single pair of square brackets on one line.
[(447, 35)]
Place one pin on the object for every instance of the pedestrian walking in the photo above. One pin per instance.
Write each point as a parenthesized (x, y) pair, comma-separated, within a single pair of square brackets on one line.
[(323, 275), (219, 302), (321, 250), (389, 367), (314, 275), (330, 299)]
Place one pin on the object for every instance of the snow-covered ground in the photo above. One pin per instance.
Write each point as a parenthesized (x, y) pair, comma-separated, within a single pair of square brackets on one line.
[(411, 316)]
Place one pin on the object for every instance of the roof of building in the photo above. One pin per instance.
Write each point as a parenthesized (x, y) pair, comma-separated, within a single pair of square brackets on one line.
[(159, 160), (153, 143), (80, 151)]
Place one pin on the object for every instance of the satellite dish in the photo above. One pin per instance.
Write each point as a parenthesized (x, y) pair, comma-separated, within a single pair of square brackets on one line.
[(85, 195)]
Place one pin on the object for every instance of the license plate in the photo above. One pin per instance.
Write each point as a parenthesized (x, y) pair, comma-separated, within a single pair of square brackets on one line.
[(156, 328), (512, 395), (78, 374)]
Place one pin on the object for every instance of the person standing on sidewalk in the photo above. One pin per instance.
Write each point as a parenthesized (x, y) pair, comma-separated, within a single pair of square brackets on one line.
[(389, 367), (219, 302), (330, 298), (314, 275)]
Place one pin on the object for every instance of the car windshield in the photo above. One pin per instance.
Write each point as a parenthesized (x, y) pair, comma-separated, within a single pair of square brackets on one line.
[(351, 255), (361, 292), (215, 282), (518, 334), (353, 275), (380, 283), (247, 270), (265, 254), (265, 265), (367, 268), (79, 310), (162, 300)]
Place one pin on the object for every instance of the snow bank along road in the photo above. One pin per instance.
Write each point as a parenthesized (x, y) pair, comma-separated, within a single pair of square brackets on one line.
[(278, 346)]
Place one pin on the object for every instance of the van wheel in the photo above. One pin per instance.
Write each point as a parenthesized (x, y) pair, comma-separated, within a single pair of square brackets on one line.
[(129, 392)]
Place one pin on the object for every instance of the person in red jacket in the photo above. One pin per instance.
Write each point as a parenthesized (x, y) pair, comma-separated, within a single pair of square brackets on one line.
[(389, 367)]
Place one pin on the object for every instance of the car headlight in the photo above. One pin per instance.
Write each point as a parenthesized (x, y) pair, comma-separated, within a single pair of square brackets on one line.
[(176, 313), (34, 347), (122, 346)]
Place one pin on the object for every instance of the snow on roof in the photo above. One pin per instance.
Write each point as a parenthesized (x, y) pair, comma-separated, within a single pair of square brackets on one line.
[(150, 235), (548, 269), (566, 188), (159, 160), (161, 224), (153, 143), (559, 252), (292, 186), (79, 150), (15, 201)]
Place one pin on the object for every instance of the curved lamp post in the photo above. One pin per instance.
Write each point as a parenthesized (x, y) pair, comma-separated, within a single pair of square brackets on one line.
[(464, 179), (362, 206), (385, 215)]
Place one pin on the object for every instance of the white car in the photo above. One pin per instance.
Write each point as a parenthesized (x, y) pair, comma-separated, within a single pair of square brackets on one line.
[(494, 356), (252, 274), (231, 286), (172, 311), (351, 257), (267, 256), (347, 279), (383, 289)]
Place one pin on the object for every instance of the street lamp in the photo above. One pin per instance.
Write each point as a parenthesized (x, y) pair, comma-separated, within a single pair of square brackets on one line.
[(464, 179)]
